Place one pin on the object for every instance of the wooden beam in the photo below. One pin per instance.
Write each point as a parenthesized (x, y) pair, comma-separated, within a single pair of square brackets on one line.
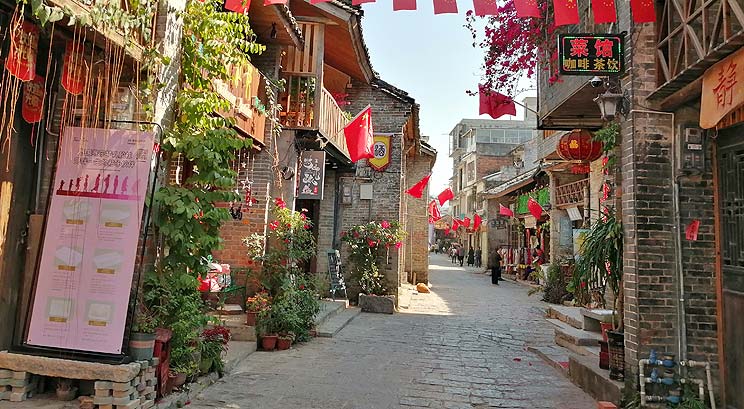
[(316, 19), (687, 93)]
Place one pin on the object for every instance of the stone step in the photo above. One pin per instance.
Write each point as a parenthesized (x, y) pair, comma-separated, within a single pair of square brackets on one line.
[(238, 330), (584, 372), (570, 315), (574, 336), (592, 318), (237, 351), (554, 356), (337, 322), (584, 350), (328, 308)]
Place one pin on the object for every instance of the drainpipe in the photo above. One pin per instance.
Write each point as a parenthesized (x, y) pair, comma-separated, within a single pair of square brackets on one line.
[(681, 319)]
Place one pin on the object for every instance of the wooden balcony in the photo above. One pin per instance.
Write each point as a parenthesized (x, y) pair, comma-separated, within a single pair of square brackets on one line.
[(571, 194), (246, 92)]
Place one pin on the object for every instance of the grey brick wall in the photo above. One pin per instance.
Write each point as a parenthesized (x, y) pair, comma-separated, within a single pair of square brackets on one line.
[(416, 263)]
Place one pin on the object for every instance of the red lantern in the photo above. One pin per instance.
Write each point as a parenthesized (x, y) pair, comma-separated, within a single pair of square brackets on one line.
[(579, 145), (24, 43), (33, 100)]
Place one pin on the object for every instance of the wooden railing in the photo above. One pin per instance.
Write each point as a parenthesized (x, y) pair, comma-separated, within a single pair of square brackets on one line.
[(246, 93), (571, 194), (332, 120)]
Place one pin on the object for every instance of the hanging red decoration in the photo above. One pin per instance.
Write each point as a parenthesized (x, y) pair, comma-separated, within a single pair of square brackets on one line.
[(505, 211), (466, 222), (477, 220), (399, 5), (485, 8), (566, 12), (74, 70), (643, 11), (535, 209), (581, 169), (24, 44), (604, 11), (527, 8), (33, 100), (445, 6), (238, 6), (446, 195), (579, 145), (434, 211)]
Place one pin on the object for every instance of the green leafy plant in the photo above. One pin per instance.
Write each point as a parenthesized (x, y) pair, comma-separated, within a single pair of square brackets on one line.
[(690, 398), (609, 136), (554, 290), (213, 345), (145, 321), (367, 242), (259, 302)]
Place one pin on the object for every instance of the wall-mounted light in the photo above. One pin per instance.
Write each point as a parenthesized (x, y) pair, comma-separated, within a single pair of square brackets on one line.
[(610, 105)]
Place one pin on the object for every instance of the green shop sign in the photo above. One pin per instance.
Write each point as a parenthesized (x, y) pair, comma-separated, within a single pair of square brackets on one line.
[(542, 197), (590, 54)]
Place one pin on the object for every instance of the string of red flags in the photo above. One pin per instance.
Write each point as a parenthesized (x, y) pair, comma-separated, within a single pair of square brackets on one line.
[(360, 136), (445, 196), (527, 8), (456, 224), (466, 222), (400, 5), (604, 11), (495, 104), (417, 190), (505, 211)]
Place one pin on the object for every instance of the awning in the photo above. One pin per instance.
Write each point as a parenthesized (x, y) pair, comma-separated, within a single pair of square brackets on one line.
[(511, 185)]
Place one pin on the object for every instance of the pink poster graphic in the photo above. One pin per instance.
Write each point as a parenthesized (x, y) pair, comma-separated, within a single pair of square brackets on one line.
[(90, 245)]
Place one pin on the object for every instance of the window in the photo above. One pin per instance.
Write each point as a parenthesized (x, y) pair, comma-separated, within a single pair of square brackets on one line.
[(525, 136), (512, 136), (471, 171), (483, 136), (497, 136)]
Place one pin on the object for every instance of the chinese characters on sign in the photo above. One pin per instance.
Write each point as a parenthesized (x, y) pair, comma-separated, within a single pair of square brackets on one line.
[(590, 54), (722, 89), (312, 175), (381, 150)]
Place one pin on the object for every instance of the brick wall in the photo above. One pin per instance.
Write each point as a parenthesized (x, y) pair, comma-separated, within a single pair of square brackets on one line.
[(417, 219), (485, 165)]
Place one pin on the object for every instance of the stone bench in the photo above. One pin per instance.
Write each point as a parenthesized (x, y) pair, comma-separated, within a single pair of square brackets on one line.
[(593, 318)]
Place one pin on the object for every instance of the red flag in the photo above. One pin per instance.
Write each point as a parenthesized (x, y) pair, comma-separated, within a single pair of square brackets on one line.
[(360, 136), (494, 104), (643, 11), (527, 8), (466, 222), (534, 208), (270, 2), (477, 221), (445, 6), (447, 231), (417, 190), (691, 232), (238, 6), (455, 224), (445, 196), (358, 2), (485, 8), (434, 211), (505, 211), (566, 12), (404, 5), (604, 11)]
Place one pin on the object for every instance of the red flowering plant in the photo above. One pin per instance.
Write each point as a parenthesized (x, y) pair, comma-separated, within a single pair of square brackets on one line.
[(367, 242), (515, 47), (258, 303), (213, 345)]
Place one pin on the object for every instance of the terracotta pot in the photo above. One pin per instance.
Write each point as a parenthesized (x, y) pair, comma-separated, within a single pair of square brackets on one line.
[(283, 343), (250, 318), (268, 342), (180, 379)]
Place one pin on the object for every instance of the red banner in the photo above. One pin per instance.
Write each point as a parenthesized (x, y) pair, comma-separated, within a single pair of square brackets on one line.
[(32, 107), (74, 71), (24, 44)]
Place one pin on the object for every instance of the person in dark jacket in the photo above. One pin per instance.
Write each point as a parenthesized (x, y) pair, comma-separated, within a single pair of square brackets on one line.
[(496, 267), (460, 254), (471, 257)]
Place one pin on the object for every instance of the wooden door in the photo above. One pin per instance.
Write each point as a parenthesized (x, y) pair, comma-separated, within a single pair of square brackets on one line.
[(731, 191)]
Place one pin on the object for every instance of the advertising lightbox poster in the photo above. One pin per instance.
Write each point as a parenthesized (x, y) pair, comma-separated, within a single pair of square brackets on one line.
[(90, 241)]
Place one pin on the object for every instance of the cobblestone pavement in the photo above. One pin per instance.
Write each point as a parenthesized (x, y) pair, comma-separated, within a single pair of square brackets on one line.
[(461, 346)]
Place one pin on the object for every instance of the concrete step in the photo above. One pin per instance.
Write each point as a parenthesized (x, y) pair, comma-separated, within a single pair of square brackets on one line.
[(238, 330), (329, 308), (570, 335), (237, 351), (554, 356), (591, 318), (584, 372), (570, 315), (337, 322)]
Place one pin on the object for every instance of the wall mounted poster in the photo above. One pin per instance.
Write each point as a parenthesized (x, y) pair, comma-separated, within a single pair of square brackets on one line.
[(90, 242)]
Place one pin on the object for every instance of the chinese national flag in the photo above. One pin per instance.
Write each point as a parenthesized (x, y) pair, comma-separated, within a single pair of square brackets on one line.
[(417, 190), (534, 208), (477, 221), (455, 224), (270, 2), (604, 11), (358, 2), (445, 196), (643, 11), (404, 5), (445, 6), (466, 222), (527, 8), (485, 8), (447, 231), (434, 211), (359, 135), (505, 211), (238, 6), (494, 104), (566, 12)]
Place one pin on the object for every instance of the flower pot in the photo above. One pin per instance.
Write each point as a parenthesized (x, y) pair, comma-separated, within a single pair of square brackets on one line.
[(180, 379), (250, 318), (268, 342), (67, 394), (283, 343), (205, 365), (141, 346), (606, 326)]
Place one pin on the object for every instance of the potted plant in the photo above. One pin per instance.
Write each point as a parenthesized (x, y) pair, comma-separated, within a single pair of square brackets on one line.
[(284, 341), (267, 329), (255, 305), (142, 339), (213, 345)]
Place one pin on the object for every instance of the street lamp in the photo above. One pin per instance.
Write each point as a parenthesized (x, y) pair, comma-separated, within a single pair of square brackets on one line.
[(608, 105)]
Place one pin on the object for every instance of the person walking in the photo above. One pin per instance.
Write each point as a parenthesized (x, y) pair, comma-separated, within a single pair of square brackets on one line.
[(496, 267), (471, 257), (460, 254), (453, 254), (478, 255)]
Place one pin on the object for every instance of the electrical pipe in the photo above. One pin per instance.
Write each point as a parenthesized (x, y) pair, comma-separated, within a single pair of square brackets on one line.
[(706, 365)]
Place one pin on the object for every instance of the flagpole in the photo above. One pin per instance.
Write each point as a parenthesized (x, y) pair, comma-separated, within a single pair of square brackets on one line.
[(525, 107)]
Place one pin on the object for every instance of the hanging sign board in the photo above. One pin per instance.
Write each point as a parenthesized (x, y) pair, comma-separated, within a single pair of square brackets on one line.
[(74, 70), (90, 241), (33, 100), (590, 54), (722, 90), (24, 44), (312, 175), (381, 149)]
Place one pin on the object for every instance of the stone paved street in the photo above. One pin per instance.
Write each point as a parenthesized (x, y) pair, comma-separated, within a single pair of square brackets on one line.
[(462, 346)]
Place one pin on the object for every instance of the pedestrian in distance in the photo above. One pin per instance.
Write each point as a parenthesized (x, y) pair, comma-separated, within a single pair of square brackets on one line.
[(471, 257), (461, 254), (496, 268), (478, 255)]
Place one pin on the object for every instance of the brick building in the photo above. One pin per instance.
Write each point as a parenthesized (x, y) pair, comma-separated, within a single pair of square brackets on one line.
[(682, 295)]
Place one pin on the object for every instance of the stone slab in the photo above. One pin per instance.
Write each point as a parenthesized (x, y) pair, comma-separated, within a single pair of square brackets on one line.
[(378, 304), (238, 330), (554, 356), (585, 373), (328, 308), (65, 368), (332, 326), (574, 336), (570, 315), (593, 317)]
